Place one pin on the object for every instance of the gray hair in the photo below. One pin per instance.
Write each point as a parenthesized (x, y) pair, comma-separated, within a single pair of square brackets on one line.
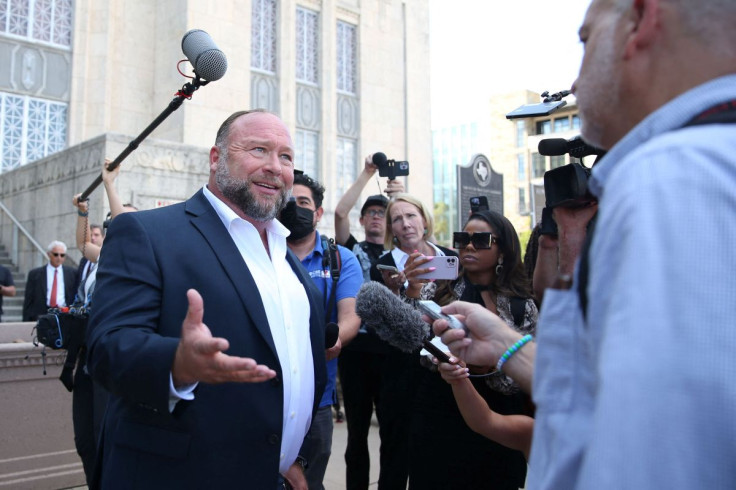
[(54, 244)]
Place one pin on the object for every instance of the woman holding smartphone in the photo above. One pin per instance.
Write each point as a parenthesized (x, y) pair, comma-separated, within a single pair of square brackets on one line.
[(409, 228), (493, 276)]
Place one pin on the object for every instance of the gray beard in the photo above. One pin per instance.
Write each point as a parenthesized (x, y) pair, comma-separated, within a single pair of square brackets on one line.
[(237, 191)]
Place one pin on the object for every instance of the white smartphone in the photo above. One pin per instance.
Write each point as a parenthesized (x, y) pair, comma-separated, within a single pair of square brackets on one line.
[(434, 311), (445, 267), (389, 268)]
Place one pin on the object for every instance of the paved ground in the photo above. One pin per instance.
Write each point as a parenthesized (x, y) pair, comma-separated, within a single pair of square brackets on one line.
[(335, 476)]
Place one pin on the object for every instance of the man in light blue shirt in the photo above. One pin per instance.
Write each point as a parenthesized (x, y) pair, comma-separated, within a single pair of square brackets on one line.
[(636, 391)]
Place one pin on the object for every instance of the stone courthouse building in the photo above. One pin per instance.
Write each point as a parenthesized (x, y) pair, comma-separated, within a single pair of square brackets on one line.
[(81, 79)]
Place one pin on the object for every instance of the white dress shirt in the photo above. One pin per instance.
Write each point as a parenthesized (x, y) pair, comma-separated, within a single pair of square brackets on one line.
[(287, 307)]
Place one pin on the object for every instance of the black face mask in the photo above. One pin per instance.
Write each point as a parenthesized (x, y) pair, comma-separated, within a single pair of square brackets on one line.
[(298, 220)]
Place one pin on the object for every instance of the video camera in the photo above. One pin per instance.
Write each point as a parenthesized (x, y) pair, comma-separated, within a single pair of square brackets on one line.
[(390, 168), (568, 185), (63, 328)]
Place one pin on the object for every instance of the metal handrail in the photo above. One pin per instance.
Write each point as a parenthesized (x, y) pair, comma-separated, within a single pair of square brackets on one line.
[(17, 227)]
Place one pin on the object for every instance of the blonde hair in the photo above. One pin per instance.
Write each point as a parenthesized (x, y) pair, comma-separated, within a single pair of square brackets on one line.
[(388, 240)]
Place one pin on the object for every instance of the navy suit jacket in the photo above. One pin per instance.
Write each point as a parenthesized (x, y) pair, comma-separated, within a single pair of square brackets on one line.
[(34, 301), (229, 436)]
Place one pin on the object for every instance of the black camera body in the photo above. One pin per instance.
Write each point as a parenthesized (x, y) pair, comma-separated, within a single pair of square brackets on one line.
[(390, 168), (478, 203), (567, 186), (60, 329)]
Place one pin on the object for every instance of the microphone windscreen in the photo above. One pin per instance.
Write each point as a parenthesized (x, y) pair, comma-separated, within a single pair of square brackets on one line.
[(332, 332), (379, 159), (552, 147), (208, 61), (393, 320)]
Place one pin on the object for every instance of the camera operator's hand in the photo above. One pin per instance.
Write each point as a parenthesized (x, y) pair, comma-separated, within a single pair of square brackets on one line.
[(572, 224), (200, 357), (370, 168), (488, 339), (394, 187)]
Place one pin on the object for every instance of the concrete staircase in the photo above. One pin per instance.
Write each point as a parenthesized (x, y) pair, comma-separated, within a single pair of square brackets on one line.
[(13, 306)]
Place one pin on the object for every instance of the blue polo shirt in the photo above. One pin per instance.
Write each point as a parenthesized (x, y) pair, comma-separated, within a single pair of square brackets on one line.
[(351, 278)]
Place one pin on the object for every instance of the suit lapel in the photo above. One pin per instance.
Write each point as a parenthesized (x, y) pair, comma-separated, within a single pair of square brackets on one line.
[(205, 219)]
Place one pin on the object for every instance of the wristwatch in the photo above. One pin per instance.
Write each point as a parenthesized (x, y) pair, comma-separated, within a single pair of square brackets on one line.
[(301, 462)]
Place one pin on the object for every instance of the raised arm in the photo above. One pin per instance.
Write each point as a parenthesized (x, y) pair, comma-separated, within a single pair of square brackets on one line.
[(349, 199), (108, 179), (90, 251)]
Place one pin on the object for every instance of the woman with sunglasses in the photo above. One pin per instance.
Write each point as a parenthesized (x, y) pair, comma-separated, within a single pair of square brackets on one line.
[(494, 277)]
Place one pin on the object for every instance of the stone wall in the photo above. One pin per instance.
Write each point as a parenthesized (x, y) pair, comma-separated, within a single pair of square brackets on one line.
[(38, 439), (40, 194)]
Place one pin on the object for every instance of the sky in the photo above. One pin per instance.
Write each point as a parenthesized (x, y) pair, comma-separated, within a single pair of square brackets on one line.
[(483, 47)]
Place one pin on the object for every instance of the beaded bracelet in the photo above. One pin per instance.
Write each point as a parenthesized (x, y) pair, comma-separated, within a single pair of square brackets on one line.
[(83, 215), (512, 350)]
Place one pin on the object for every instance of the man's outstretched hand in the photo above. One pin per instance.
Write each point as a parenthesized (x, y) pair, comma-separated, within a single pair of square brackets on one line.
[(200, 357)]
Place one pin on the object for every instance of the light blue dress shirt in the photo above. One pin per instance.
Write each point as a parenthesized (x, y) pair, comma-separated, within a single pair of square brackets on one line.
[(642, 394)]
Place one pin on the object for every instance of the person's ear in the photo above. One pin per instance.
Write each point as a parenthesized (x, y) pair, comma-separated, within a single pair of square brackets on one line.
[(645, 25), (214, 158), (318, 213)]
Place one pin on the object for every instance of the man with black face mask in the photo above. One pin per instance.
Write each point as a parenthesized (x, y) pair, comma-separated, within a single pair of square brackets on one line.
[(301, 216)]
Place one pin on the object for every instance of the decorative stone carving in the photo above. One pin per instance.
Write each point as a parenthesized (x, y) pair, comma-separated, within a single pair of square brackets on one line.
[(348, 117), (307, 107), (264, 90)]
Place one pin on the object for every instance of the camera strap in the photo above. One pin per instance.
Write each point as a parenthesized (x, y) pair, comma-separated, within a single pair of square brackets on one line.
[(331, 261), (67, 372), (724, 113)]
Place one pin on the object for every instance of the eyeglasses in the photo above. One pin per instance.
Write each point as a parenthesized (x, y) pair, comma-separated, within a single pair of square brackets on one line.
[(58, 254), (481, 240), (376, 213)]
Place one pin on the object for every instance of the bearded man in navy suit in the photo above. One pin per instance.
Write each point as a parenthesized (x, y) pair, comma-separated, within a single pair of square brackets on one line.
[(207, 331)]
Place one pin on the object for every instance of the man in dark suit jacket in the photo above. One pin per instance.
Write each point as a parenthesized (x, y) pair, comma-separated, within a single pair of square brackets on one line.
[(179, 286), (39, 284)]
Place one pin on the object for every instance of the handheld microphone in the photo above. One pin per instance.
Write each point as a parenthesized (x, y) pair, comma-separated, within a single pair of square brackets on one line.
[(393, 320), (208, 61), (576, 147), (332, 332)]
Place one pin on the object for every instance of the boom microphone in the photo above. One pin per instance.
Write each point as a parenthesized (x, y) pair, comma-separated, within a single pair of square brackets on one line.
[(393, 320), (208, 61), (576, 147)]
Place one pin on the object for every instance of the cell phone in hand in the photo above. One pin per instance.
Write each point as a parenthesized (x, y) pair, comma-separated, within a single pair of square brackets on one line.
[(389, 268), (445, 267), (478, 203), (434, 311)]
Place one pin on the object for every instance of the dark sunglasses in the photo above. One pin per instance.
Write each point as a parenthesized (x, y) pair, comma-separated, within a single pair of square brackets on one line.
[(481, 240), (57, 254)]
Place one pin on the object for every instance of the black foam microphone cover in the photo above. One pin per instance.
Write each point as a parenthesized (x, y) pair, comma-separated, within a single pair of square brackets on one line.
[(208, 61), (393, 320), (552, 147), (379, 159)]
